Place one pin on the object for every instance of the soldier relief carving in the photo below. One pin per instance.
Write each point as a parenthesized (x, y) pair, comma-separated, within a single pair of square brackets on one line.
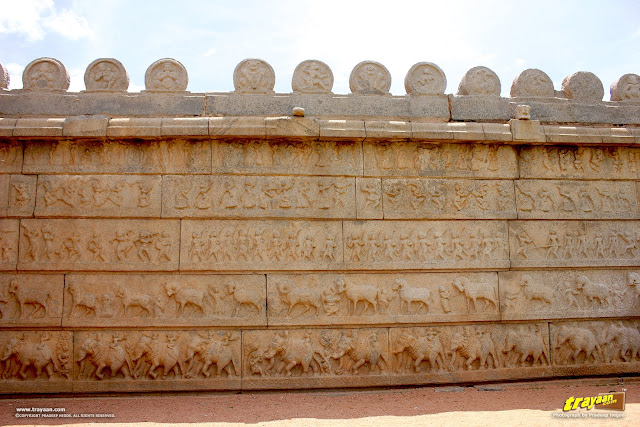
[(312, 76), (157, 355)]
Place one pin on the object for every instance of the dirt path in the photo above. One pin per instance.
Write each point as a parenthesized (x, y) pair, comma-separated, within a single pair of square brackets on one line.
[(525, 403)]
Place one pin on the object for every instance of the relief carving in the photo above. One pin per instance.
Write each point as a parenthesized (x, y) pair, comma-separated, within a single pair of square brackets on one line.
[(254, 76), (30, 299), (106, 74), (98, 195), (231, 196), (46, 74), (425, 78), (312, 76), (99, 244), (33, 356), (370, 78), (439, 160), (8, 244), (287, 157), (10, 157), (166, 75), (479, 81), (165, 156), (626, 88)]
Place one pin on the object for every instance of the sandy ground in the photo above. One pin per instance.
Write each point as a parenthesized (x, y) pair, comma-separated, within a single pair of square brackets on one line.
[(519, 404)]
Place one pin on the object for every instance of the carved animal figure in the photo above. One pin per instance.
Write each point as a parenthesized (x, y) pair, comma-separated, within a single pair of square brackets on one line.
[(307, 298), (475, 291), (578, 340), (593, 291), (526, 344), (622, 342), (186, 297), (472, 347), (242, 297), (356, 293), (85, 301), (38, 355), (292, 352), (145, 302), (103, 355), (37, 297), (157, 354), (427, 347), (360, 349), (221, 354), (535, 291), (408, 295)]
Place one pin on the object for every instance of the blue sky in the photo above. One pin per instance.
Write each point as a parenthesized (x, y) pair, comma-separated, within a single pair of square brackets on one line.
[(211, 37)]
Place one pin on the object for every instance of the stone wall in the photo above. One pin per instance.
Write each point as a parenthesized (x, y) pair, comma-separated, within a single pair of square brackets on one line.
[(153, 243)]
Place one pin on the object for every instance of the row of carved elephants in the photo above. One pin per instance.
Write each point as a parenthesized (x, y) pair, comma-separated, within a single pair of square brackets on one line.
[(259, 300), (315, 77), (315, 357)]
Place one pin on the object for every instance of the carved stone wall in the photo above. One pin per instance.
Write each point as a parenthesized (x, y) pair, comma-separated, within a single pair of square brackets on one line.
[(147, 252)]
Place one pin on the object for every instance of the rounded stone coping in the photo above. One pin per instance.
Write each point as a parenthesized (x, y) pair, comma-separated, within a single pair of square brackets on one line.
[(425, 78), (4, 77), (370, 78), (532, 83), (312, 76), (47, 75), (254, 75), (480, 81), (583, 86), (626, 88), (106, 75), (166, 75)]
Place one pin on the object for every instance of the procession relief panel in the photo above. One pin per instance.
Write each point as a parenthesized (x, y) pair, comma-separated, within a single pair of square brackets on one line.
[(10, 157), (369, 198), (147, 360), (573, 162), (351, 299), (117, 245), (541, 199), (255, 245), (30, 300), (252, 196), (98, 195), (287, 157), (571, 293), (141, 156), (9, 229), (20, 194), (574, 243), (36, 361), (447, 198), (315, 358), (595, 346), (440, 160), (395, 245), (469, 352), (164, 300)]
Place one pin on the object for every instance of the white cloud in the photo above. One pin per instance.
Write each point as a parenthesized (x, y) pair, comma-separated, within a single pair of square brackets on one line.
[(210, 52), (35, 18), (15, 75)]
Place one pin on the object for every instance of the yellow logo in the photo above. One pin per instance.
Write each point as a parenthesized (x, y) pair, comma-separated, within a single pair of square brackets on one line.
[(613, 401)]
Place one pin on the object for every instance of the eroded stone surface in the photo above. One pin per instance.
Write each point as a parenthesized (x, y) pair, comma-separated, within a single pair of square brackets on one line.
[(288, 158), (17, 195), (268, 245), (571, 162), (369, 198), (98, 195), (439, 160), (626, 88), (250, 196), (8, 243), (139, 360), (165, 156), (426, 244), (439, 198), (576, 199), (569, 293), (351, 299), (577, 243), (425, 78), (532, 82), (10, 157), (4, 77), (583, 86), (254, 76), (100, 244), (166, 75), (46, 74), (312, 76), (479, 81), (106, 74), (370, 78), (164, 301), (28, 300)]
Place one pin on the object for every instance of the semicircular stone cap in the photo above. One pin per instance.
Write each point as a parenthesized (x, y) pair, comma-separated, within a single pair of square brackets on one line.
[(4, 77), (254, 75), (166, 75), (312, 76), (583, 86), (532, 83), (425, 78), (370, 78), (480, 81), (46, 74), (106, 75), (626, 88)]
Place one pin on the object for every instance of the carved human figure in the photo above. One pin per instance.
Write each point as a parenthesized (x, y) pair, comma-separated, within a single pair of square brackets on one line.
[(106, 74), (21, 197), (254, 76), (626, 88), (166, 75), (45, 74), (370, 78), (104, 355), (312, 76), (44, 355)]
